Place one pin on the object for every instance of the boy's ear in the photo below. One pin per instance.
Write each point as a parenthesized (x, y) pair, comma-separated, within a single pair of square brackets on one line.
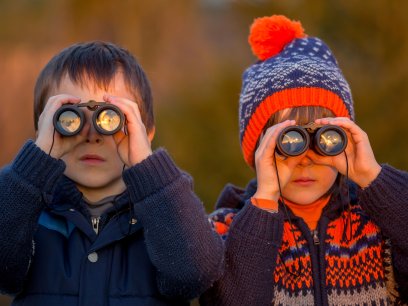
[(150, 135)]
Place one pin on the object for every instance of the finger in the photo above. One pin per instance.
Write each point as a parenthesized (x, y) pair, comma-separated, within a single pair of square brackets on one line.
[(57, 101), (137, 134), (268, 140), (134, 122), (266, 148), (53, 103), (131, 111), (352, 129), (119, 137), (129, 107)]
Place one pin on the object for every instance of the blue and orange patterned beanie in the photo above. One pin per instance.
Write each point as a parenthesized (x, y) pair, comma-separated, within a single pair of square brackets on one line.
[(293, 70)]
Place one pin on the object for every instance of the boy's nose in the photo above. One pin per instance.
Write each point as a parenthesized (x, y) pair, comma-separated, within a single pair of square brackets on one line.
[(91, 134), (306, 159)]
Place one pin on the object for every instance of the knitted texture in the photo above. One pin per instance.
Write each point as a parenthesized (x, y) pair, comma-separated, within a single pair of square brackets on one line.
[(303, 73), (167, 256), (357, 270), (352, 259), (354, 268)]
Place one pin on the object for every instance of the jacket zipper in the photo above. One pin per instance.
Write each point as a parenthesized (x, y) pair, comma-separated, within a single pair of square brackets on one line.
[(95, 223), (315, 235), (319, 248), (317, 271)]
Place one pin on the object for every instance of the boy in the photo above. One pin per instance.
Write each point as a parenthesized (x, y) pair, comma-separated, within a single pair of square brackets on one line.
[(99, 219), (297, 235)]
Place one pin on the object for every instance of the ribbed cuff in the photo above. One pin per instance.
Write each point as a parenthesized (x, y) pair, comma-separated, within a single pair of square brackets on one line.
[(150, 175), (388, 188), (38, 168), (269, 205), (259, 223)]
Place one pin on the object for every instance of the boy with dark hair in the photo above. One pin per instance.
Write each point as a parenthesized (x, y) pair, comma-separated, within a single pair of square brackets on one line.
[(89, 215)]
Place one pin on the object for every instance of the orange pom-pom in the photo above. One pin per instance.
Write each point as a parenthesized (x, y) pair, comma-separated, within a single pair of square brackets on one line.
[(269, 35)]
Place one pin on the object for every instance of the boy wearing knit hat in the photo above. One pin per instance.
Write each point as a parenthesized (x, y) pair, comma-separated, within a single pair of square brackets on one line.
[(323, 223)]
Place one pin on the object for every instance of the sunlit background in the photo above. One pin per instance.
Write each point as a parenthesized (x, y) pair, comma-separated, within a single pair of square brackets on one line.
[(194, 53)]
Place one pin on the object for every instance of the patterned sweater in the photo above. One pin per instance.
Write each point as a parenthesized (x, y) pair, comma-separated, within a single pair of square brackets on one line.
[(357, 256)]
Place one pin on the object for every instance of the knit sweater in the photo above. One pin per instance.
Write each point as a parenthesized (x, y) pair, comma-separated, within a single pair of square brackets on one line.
[(154, 247), (357, 256)]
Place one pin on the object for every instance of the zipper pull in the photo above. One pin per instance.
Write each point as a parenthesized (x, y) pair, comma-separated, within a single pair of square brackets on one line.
[(95, 223), (316, 240)]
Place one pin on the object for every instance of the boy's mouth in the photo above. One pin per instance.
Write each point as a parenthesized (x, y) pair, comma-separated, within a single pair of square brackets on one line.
[(92, 159), (304, 181)]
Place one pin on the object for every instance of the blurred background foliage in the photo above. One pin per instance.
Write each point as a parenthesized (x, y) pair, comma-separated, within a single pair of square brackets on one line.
[(194, 52)]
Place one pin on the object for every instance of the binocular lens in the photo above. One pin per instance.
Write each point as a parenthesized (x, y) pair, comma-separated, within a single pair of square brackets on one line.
[(327, 140), (69, 122), (293, 143), (108, 120), (331, 142)]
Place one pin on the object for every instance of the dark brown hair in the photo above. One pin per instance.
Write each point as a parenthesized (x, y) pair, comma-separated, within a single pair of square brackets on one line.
[(98, 62)]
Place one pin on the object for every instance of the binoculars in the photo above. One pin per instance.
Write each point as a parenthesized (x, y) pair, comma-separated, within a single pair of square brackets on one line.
[(327, 140), (107, 119)]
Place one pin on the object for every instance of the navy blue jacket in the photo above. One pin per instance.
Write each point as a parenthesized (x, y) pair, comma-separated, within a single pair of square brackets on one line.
[(154, 247)]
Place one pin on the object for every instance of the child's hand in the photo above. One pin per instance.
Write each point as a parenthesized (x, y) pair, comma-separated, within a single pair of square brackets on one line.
[(45, 136), (268, 187), (362, 165), (136, 146)]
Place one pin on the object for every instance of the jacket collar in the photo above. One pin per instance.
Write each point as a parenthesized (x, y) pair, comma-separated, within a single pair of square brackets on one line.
[(67, 202), (236, 197), (68, 196)]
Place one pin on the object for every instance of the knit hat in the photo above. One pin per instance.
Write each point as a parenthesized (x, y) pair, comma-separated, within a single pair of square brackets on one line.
[(293, 70)]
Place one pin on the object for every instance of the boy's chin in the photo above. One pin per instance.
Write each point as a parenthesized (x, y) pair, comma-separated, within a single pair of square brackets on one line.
[(304, 199), (108, 185)]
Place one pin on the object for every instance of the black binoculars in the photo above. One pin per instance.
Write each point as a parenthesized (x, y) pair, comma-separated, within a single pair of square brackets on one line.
[(329, 140), (107, 119)]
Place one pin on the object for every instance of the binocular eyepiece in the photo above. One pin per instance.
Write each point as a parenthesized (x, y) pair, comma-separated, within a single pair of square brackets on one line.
[(107, 119), (328, 140)]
